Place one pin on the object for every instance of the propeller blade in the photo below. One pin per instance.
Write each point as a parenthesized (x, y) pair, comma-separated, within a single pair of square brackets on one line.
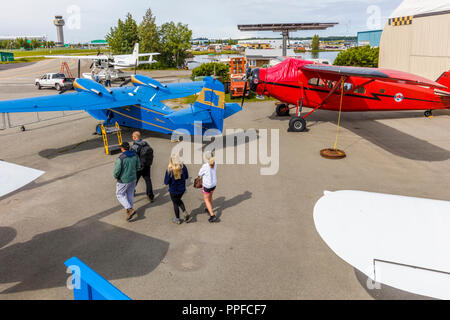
[(63, 91), (92, 64)]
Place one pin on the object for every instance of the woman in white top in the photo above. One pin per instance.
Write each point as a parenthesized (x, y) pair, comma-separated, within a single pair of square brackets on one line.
[(209, 179)]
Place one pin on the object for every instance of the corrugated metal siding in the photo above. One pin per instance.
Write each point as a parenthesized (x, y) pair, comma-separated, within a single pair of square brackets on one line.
[(421, 48)]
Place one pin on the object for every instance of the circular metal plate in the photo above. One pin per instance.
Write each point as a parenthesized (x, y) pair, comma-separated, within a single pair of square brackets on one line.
[(332, 154)]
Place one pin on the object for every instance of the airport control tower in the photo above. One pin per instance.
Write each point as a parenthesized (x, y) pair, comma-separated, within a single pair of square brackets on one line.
[(59, 23)]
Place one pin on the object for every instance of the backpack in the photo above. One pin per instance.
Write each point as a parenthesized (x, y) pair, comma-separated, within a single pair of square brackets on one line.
[(145, 153)]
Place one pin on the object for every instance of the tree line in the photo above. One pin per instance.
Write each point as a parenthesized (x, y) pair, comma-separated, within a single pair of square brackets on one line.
[(172, 40), (24, 43)]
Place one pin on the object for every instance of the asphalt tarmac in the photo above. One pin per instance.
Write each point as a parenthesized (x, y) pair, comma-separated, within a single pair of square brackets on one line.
[(265, 246)]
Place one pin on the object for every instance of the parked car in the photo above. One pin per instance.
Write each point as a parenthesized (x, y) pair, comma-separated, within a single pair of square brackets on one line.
[(54, 80)]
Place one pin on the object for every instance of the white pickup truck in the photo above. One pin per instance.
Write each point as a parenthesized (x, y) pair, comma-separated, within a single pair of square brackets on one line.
[(54, 80)]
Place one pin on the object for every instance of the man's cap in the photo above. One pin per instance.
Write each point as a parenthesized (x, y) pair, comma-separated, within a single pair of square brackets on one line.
[(125, 145)]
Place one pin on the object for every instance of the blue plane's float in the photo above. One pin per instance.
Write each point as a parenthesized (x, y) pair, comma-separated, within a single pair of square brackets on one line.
[(139, 106)]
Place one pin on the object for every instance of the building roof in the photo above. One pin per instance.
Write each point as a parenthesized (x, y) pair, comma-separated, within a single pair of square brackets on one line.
[(267, 53), (419, 7), (99, 42), (370, 31)]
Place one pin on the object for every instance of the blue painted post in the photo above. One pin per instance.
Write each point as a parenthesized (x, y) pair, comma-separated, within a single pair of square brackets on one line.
[(89, 285)]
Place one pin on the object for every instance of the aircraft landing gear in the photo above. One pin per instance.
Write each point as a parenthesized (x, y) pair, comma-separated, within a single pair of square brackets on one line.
[(282, 110), (297, 124), (428, 113)]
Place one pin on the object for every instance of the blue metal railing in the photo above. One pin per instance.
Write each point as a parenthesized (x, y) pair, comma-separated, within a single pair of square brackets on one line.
[(89, 285)]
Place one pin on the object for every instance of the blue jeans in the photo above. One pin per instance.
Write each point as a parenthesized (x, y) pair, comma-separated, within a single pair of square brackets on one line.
[(125, 194)]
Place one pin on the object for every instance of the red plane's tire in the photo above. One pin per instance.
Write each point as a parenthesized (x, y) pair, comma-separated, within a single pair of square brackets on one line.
[(428, 113), (282, 110), (297, 124)]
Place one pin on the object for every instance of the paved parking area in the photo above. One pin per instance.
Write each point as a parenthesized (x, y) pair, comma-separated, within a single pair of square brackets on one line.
[(266, 245)]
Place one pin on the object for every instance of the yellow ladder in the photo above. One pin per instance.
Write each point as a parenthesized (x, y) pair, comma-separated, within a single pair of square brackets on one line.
[(109, 130)]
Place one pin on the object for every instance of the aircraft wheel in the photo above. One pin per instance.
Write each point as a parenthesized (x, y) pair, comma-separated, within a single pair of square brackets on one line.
[(98, 129), (428, 113), (282, 110), (297, 124)]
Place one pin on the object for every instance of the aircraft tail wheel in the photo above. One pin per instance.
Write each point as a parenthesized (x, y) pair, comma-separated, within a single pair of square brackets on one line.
[(428, 113), (297, 124), (282, 110)]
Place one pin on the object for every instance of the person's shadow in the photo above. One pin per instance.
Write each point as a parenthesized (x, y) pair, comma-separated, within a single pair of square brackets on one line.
[(220, 204), (113, 252)]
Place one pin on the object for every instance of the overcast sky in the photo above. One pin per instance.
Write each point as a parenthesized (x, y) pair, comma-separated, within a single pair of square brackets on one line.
[(212, 18)]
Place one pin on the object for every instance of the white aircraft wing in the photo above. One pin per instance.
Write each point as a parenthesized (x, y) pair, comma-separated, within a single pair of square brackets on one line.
[(101, 57), (399, 241), (148, 54), (14, 177)]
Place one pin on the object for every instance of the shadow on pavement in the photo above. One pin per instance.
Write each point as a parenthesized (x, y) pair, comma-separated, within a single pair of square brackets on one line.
[(388, 138), (7, 234), (220, 204), (113, 252)]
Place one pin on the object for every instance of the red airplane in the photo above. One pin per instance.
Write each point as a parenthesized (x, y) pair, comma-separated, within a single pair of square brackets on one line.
[(299, 83)]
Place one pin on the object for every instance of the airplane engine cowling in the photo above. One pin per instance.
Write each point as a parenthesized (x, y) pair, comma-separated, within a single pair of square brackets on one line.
[(140, 80), (88, 85)]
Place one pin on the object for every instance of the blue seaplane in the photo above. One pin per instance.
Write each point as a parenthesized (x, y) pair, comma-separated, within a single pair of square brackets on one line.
[(139, 106)]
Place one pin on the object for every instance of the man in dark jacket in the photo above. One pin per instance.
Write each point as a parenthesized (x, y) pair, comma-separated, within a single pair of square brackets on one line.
[(145, 154), (125, 172)]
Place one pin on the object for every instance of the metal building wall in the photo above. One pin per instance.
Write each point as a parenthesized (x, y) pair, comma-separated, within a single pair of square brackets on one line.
[(421, 48)]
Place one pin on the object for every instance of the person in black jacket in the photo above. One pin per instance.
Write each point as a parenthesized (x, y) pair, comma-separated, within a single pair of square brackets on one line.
[(176, 176), (145, 153)]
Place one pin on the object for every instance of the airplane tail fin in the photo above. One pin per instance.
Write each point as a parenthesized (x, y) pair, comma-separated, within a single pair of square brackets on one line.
[(444, 79), (209, 108), (136, 52)]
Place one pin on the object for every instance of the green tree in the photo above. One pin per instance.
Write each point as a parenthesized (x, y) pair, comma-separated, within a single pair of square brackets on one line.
[(21, 43), (315, 45), (221, 70), (175, 40), (35, 44), (148, 34), (124, 36), (358, 57)]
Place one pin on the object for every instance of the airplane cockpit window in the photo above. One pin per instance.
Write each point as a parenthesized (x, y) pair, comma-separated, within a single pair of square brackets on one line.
[(348, 86), (313, 81)]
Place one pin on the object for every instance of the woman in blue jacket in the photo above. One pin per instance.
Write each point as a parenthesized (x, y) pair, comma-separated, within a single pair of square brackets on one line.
[(176, 176)]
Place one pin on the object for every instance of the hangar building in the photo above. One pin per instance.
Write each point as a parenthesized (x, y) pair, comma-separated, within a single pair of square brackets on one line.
[(416, 38)]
